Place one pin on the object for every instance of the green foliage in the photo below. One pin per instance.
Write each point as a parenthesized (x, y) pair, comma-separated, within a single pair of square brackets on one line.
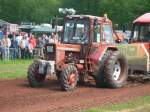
[(120, 11), (124, 11)]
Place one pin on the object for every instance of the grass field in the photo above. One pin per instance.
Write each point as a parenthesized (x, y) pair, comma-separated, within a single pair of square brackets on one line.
[(141, 104), (14, 69)]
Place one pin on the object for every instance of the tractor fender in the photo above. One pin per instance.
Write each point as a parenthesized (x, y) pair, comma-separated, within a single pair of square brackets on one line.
[(98, 54), (46, 66)]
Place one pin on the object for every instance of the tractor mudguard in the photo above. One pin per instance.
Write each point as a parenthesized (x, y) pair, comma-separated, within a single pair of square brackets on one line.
[(98, 54)]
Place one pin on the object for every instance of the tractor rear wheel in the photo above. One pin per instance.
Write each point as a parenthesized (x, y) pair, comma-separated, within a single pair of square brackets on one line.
[(116, 70), (68, 78), (34, 78), (99, 79)]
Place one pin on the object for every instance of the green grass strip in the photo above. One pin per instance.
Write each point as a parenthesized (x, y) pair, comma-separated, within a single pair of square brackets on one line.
[(141, 104), (14, 69)]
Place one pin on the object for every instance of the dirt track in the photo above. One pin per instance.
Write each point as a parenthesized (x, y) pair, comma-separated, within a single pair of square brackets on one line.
[(16, 96)]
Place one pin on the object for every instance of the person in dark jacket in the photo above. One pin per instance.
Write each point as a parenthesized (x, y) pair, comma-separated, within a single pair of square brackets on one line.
[(14, 48)]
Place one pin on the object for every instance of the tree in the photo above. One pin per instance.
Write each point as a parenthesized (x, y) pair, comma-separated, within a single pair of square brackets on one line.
[(39, 11)]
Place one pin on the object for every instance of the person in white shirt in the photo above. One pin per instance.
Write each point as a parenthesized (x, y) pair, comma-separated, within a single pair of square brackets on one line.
[(41, 44), (53, 38), (6, 43), (19, 38), (23, 46)]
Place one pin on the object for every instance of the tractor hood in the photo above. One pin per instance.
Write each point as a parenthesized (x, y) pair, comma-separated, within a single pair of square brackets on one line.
[(58, 52), (68, 47)]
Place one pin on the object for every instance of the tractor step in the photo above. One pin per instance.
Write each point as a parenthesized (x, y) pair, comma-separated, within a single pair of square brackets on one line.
[(89, 64)]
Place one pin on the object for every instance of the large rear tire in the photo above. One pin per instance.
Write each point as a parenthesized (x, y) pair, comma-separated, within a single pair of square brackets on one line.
[(116, 70), (99, 79), (34, 78), (68, 78)]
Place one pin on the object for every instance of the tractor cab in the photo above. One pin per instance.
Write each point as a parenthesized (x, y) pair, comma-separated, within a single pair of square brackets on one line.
[(141, 32), (86, 29)]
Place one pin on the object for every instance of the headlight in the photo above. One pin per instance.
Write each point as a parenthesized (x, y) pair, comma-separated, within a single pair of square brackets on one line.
[(50, 49), (81, 61)]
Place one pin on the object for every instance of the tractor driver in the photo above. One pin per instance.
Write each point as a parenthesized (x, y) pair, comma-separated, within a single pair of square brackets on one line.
[(81, 33)]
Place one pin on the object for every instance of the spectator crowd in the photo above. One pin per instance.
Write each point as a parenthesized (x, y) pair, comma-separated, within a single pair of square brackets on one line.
[(24, 45)]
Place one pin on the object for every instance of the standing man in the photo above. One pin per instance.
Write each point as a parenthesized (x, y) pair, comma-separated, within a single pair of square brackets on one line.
[(53, 38), (32, 45), (19, 37), (6, 43), (14, 47), (0, 49), (41, 44), (24, 46)]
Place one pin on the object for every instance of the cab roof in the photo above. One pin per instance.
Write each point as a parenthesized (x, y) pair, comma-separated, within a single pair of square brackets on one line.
[(88, 16), (143, 19)]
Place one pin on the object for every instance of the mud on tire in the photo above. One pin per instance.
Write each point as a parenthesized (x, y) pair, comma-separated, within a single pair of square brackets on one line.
[(68, 78), (116, 70), (34, 78)]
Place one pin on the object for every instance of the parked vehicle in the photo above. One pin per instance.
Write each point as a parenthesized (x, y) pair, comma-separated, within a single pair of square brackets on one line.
[(138, 49)]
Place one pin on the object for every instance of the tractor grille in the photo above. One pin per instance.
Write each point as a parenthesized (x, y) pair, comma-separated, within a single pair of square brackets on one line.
[(50, 52)]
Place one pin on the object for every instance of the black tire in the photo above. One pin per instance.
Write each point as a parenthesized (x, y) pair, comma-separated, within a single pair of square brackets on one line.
[(34, 78), (99, 79), (65, 83), (116, 70)]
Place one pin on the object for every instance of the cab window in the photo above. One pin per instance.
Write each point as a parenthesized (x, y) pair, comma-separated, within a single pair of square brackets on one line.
[(141, 32), (97, 33), (107, 33)]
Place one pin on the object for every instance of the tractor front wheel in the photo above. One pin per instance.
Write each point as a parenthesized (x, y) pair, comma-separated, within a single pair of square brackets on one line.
[(68, 78), (116, 70), (34, 78)]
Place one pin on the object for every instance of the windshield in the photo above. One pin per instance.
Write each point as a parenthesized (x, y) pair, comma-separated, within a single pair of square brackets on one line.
[(142, 32), (76, 31)]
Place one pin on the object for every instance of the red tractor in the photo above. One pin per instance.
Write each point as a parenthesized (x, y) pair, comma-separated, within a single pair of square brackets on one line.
[(138, 49), (87, 48), (141, 36)]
